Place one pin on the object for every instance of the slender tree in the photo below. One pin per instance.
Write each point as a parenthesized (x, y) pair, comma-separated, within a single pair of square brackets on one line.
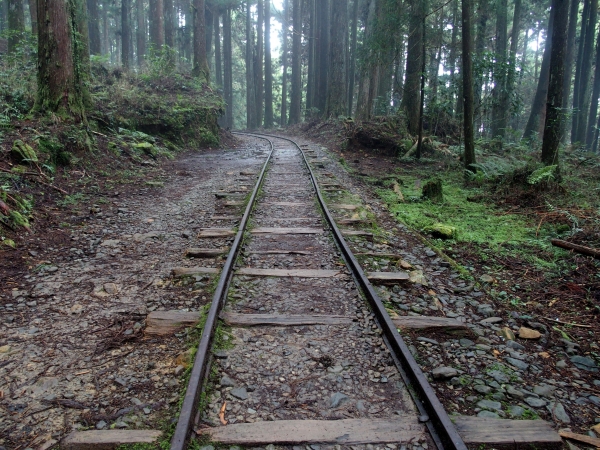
[(352, 68), (33, 16), (258, 66), (268, 68), (554, 114), (591, 122), (157, 24), (322, 55), (218, 61), (311, 69), (228, 67), (169, 22), (467, 76), (140, 32), (16, 24), (94, 27), (500, 101), (125, 33), (250, 85), (411, 100), (337, 90), (284, 60), (296, 98), (570, 54), (200, 69)]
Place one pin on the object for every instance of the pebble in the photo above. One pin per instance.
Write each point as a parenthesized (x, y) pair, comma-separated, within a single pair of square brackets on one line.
[(226, 381), (516, 411), (517, 363), (442, 373), (584, 363), (489, 404), (239, 393), (557, 410), (535, 402), (338, 399), (488, 414)]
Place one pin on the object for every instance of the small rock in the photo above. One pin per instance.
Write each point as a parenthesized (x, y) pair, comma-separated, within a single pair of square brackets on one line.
[(100, 425), (338, 399), (535, 402), (136, 401), (558, 411), (516, 411), (517, 363), (507, 333), (510, 390), (482, 389), (491, 320), (528, 333), (514, 345), (178, 370), (489, 404), (227, 382), (442, 373), (5, 349), (240, 393), (584, 363), (147, 411), (561, 364), (110, 288), (544, 390), (488, 414), (76, 308), (487, 278)]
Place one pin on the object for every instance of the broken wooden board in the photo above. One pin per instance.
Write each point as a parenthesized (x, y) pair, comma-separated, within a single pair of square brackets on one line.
[(273, 230), (107, 439), (286, 203), (342, 206), (388, 277), (481, 430), (191, 271), (358, 233), (233, 203), (205, 252), (403, 430), (379, 255), (247, 173), (429, 323), (280, 252), (215, 232), (229, 194), (225, 218), (580, 438), (252, 320), (303, 273), (161, 323), (351, 221)]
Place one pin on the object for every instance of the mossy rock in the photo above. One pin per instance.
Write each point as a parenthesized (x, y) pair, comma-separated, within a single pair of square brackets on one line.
[(432, 190), (146, 147), (441, 231), (23, 153)]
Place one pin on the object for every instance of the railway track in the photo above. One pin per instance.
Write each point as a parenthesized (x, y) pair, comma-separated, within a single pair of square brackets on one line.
[(310, 354)]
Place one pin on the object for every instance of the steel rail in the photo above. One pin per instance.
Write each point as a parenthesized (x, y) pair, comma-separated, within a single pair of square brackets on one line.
[(199, 369), (436, 418)]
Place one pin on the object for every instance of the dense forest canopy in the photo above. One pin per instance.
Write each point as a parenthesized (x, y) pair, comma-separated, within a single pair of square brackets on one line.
[(288, 61)]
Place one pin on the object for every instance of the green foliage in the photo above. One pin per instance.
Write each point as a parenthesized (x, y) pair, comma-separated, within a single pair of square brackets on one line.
[(72, 199), (55, 150), (543, 174)]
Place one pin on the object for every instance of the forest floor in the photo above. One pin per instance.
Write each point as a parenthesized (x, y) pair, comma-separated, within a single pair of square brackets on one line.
[(75, 289)]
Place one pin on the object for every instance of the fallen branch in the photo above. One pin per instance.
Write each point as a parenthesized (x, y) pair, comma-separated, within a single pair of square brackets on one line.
[(62, 191), (576, 248), (567, 323)]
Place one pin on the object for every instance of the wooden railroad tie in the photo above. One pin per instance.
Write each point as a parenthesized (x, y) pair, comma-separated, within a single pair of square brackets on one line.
[(179, 272), (251, 320), (282, 230), (216, 232), (205, 252)]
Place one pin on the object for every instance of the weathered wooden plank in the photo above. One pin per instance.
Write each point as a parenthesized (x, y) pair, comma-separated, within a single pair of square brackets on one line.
[(428, 323), (191, 271), (304, 273), (280, 252), (286, 203), (247, 173), (580, 438), (480, 430), (225, 218), (233, 203), (204, 252), (215, 232), (107, 439), (356, 233), (282, 230), (251, 320), (229, 194), (169, 322), (346, 207), (401, 430), (388, 277)]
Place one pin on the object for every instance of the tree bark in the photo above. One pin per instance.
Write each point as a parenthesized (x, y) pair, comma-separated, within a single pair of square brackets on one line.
[(538, 107), (228, 63), (284, 61), (16, 24), (94, 27), (218, 62), (258, 66), (352, 69), (140, 33), (200, 69), (61, 72), (33, 16), (569, 57), (580, 110), (125, 33), (268, 68), (368, 70), (322, 55), (106, 50), (157, 25), (296, 98), (499, 97), (250, 94), (554, 115), (169, 22), (467, 76), (337, 90), (591, 122), (483, 12), (311, 75), (208, 31), (411, 98)]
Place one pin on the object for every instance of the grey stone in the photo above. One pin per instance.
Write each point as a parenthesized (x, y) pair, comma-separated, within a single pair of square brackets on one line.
[(489, 404), (544, 390), (514, 345), (488, 414), (491, 320), (430, 253), (517, 363), (584, 363), (483, 389), (207, 447), (513, 392), (442, 373), (430, 341), (226, 381), (338, 399), (240, 393), (499, 376), (100, 425), (535, 402), (515, 411), (466, 343), (136, 401), (561, 364), (595, 400), (558, 411)]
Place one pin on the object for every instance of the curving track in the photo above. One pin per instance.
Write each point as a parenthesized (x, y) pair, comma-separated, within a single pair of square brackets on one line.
[(315, 349)]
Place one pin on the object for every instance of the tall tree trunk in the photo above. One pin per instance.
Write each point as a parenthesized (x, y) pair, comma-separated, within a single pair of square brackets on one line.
[(250, 94), (208, 28), (169, 22), (411, 99), (105, 30), (157, 25), (268, 68), (200, 69), (569, 57), (453, 51), (310, 38), (259, 89), (284, 61), (499, 98), (352, 69), (228, 66), (579, 113), (140, 32), (554, 115), (512, 59), (125, 33), (337, 90), (16, 24), (62, 74), (296, 98), (33, 16), (218, 63), (467, 76), (94, 27), (578, 65), (591, 122), (483, 12), (322, 55), (368, 69), (3, 15), (538, 108)]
